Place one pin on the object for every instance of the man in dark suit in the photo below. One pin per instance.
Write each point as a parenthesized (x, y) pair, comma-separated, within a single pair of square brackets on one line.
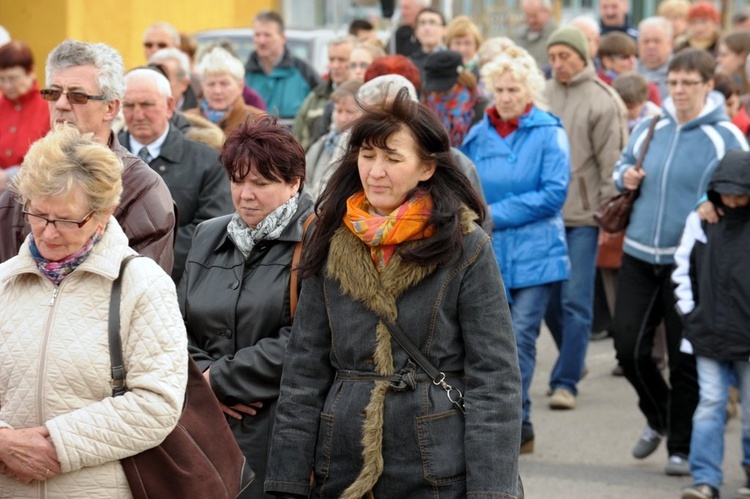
[(192, 171)]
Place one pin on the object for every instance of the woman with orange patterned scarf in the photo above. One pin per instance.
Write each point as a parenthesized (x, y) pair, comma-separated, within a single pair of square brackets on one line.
[(397, 242)]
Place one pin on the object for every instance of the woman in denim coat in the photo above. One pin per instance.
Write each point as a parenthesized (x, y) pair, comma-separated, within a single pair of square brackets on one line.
[(396, 239)]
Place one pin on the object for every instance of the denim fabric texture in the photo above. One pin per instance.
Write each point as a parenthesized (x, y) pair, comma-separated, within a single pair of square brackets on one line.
[(457, 315), (570, 310), (527, 311), (709, 420)]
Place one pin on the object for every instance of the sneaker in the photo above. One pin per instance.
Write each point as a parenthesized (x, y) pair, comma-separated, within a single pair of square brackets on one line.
[(527, 440), (647, 444), (678, 465), (700, 491), (743, 492), (562, 399), (599, 335)]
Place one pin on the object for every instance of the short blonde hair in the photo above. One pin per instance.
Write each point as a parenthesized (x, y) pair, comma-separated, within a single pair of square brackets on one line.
[(521, 67), (463, 26), (673, 8), (492, 47), (63, 160), (203, 131), (219, 61)]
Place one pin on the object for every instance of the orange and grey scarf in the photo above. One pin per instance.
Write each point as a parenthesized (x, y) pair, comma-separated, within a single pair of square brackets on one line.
[(383, 234)]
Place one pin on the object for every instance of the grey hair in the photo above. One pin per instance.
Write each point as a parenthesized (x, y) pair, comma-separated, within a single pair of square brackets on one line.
[(220, 61), (156, 78), (587, 22), (173, 33), (385, 86), (658, 22), (106, 60), (340, 40), (176, 55)]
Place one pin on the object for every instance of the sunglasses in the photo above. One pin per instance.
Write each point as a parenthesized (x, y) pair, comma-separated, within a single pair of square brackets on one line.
[(53, 95), (60, 224), (150, 45)]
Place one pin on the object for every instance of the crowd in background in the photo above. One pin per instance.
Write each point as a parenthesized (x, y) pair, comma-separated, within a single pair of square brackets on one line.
[(525, 134)]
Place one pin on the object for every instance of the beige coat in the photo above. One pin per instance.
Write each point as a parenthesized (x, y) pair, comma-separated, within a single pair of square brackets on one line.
[(55, 366), (595, 119)]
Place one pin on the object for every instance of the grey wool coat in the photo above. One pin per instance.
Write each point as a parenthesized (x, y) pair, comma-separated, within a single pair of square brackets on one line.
[(356, 412)]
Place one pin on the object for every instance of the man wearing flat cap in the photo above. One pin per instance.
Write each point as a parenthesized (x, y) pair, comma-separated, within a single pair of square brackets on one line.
[(595, 120)]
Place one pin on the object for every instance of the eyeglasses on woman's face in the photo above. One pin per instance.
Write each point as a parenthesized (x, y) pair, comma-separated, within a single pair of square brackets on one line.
[(62, 225)]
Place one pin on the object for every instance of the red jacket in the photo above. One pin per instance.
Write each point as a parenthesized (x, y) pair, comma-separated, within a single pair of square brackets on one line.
[(742, 121), (21, 123)]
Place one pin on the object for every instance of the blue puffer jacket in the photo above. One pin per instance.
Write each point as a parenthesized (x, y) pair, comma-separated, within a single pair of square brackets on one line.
[(525, 178), (284, 89), (679, 162)]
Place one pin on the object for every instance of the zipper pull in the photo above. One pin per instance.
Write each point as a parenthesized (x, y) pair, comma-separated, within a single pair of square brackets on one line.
[(54, 295)]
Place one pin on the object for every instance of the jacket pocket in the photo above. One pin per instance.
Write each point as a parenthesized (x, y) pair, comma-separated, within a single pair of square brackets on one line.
[(584, 194), (323, 449), (441, 445)]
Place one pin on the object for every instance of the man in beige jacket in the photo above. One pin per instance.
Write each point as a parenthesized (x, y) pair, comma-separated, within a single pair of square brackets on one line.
[(595, 120)]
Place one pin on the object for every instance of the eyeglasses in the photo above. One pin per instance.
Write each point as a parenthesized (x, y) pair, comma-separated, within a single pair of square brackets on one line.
[(359, 65), (683, 83), (53, 95), (60, 224), (150, 45)]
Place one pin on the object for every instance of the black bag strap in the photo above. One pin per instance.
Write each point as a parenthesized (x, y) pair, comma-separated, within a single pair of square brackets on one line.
[(115, 341), (438, 377)]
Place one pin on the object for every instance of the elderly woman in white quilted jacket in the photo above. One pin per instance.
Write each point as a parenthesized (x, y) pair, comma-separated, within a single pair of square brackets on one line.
[(62, 433)]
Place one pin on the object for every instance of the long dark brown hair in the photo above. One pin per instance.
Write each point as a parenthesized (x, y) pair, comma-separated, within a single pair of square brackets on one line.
[(448, 186)]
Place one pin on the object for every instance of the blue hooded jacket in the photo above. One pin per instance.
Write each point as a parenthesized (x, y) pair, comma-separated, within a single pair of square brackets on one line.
[(679, 162), (525, 179)]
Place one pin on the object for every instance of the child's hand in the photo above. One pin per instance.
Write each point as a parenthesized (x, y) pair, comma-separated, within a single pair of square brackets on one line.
[(708, 212)]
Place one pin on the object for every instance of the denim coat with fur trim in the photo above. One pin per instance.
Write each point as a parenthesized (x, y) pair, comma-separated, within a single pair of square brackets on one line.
[(358, 414)]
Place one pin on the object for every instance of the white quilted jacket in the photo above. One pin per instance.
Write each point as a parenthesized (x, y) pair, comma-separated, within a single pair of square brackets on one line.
[(55, 366)]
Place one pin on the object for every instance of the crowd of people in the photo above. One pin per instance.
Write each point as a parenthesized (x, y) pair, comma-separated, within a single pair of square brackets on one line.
[(430, 201)]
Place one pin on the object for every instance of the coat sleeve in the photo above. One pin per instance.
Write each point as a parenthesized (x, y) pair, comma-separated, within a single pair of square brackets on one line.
[(608, 135), (493, 381), (155, 356), (627, 157), (307, 377), (682, 273), (548, 198)]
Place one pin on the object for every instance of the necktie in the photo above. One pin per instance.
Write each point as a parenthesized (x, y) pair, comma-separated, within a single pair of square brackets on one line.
[(144, 155)]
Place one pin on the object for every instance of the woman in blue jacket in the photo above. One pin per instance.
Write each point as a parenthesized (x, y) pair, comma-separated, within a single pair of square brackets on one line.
[(522, 157)]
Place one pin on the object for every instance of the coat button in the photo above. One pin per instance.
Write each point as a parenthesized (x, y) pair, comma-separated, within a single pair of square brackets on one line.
[(234, 285), (13, 129), (512, 158), (8, 153), (17, 107), (226, 333), (162, 168)]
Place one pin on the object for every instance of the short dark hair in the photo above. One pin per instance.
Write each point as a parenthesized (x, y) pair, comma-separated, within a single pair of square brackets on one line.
[(694, 60), (449, 188), (615, 43), (16, 53), (430, 10), (632, 87), (270, 16), (261, 144), (725, 86), (360, 25)]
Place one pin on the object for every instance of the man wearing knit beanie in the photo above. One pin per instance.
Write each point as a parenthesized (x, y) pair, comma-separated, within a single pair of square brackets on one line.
[(595, 120)]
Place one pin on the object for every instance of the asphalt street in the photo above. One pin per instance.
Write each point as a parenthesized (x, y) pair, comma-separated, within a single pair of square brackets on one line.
[(585, 453)]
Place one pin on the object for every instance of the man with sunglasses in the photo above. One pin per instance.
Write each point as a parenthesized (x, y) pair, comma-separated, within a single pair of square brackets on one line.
[(84, 88)]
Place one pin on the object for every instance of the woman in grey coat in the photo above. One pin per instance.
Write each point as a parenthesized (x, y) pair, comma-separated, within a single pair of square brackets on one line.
[(396, 239)]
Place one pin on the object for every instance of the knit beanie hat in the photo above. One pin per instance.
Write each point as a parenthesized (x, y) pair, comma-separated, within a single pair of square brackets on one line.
[(573, 38)]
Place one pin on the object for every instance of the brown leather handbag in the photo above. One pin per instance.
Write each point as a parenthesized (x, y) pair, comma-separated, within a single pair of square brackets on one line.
[(200, 458), (614, 214)]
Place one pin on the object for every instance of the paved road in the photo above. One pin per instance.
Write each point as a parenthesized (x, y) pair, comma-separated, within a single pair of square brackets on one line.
[(585, 453)]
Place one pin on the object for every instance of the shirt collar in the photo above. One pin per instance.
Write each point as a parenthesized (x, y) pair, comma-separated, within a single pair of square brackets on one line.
[(154, 148)]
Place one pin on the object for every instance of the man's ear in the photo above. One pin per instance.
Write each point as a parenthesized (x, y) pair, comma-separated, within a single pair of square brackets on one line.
[(113, 107)]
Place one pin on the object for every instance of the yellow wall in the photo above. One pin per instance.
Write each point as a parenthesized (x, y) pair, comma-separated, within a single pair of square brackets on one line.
[(119, 23)]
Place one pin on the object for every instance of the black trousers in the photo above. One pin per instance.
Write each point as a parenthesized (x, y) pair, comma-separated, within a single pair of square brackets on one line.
[(645, 296)]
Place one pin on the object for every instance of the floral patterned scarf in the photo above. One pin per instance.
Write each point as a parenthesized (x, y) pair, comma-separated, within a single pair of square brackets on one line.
[(269, 228), (383, 234), (59, 270)]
